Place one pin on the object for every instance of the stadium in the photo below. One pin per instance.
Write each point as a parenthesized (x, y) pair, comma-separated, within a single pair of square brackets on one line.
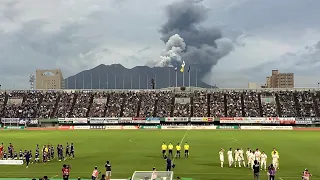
[(127, 128), (134, 90)]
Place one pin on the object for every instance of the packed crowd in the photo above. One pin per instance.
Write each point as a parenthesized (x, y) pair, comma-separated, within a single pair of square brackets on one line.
[(50, 104)]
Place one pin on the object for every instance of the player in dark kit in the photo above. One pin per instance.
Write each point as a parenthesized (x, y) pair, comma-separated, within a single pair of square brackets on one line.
[(36, 157), (67, 151), (20, 154), (72, 150), (52, 152), (60, 152), (5, 156), (31, 161), (15, 155), (10, 150), (27, 157), (44, 154), (48, 149)]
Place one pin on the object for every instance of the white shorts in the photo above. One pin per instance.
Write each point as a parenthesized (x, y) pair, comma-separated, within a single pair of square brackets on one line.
[(108, 173), (222, 159), (230, 159)]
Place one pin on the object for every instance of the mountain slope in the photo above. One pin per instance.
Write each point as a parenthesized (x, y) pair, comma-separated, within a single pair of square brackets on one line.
[(116, 76)]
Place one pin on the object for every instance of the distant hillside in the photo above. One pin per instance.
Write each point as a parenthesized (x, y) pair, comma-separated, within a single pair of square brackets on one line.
[(116, 76)]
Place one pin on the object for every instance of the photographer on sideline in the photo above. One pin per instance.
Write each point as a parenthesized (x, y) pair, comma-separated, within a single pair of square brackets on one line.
[(66, 172)]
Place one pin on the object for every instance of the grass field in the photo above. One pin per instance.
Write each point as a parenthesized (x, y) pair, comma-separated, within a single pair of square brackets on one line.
[(140, 150)]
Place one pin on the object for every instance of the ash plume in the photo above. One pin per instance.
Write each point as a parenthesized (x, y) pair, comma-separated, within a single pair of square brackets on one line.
[(173, 52), (202, 45)]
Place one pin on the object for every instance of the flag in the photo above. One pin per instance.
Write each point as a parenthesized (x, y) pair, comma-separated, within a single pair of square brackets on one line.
[(189, 69), (182, 67), (175, 68)]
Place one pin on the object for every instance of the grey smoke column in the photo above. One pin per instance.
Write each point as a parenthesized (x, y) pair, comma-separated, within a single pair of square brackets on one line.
[(203, 45)]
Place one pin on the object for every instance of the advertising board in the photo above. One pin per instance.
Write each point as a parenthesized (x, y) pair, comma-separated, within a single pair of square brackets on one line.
[(266, 127), (82, 127), (11, 162), (66, 127), (188, 127), (113, 127), (97, 127)]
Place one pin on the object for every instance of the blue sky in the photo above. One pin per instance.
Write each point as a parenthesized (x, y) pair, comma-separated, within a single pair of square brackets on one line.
[(79, 34)]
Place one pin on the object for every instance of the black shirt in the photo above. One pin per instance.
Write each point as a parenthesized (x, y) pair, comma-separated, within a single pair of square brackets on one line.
[(256, 168), (108, 167)]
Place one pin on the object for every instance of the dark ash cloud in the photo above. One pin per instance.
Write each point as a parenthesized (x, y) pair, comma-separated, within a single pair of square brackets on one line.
[(203, 45)]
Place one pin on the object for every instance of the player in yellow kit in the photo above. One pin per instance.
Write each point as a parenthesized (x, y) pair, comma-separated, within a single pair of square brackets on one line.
[(186, 148), (178, 148), (170, 147), (164, 149)]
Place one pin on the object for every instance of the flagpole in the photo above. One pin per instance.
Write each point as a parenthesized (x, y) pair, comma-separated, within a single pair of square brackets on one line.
[(189, 71), (75, 81), (82, 80), (115, 82), (131, 81), (99, 82), (196, 77), (67, 84), (91, 81), (122, 81), (107, 81), (183, 78), (139, 81), (155, 81), (169, 77), (176, 77), (147, 81)]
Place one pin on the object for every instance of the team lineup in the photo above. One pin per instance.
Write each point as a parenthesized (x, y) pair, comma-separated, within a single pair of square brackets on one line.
[(236, 158), (48, 153)]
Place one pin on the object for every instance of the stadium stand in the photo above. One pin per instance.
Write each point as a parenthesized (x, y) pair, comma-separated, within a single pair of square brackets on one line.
[(158, 103)]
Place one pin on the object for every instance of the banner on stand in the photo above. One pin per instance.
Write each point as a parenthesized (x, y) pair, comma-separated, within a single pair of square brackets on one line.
[(201, 119), (176, 119)]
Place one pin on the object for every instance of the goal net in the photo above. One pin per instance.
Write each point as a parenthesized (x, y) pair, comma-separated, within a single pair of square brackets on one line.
[(146, 175)]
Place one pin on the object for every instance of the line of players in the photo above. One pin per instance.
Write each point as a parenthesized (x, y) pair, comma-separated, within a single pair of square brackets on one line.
[(178, 148), (252, 155), (48, 153)]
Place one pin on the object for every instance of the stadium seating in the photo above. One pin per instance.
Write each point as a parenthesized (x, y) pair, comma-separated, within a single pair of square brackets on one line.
[(158, 103)]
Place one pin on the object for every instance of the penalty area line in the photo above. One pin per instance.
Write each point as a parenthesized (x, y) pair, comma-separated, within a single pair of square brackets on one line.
[(184, 136)]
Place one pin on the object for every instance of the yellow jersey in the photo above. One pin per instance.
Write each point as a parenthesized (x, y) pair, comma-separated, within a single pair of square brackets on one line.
[(178, 148), (170, 147), (272, 152), (164, 147), (186, 147)]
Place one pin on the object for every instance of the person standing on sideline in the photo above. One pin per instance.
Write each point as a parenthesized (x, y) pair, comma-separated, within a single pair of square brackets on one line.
[(27, 158), (108, 170), (154, 174), (95, 173), (256, 170), (271, 172)]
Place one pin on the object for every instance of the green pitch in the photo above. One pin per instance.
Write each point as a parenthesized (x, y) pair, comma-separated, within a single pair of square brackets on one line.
[(140, 150)]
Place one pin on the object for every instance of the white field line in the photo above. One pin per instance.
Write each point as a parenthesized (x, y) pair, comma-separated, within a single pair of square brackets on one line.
[(280, 178), (184, 136)]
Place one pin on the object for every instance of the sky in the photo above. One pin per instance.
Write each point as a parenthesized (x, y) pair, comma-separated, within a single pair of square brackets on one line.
[(75, 35)]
